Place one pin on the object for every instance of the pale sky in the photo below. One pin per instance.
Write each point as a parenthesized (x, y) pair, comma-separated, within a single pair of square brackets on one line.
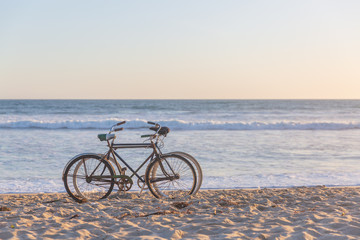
[(185, 49)]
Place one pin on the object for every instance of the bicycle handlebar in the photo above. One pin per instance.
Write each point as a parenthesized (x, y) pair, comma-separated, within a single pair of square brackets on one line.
[(156, 128), (147, 135), (157, 125), (118, 129), (113, 129), (120, 123)]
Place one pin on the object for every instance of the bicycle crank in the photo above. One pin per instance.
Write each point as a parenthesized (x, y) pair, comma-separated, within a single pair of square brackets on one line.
[(124, 183)]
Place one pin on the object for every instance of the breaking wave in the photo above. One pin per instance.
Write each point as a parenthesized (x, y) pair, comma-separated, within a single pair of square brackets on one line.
[(181, 125)]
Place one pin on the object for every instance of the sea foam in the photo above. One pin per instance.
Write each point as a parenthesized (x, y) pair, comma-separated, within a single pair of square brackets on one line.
[(37, 185)]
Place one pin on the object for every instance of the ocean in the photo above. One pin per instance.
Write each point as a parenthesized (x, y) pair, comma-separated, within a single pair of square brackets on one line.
[(239, 143)]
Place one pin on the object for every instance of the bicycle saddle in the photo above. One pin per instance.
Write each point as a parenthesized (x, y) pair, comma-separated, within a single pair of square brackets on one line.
[(164, 131)]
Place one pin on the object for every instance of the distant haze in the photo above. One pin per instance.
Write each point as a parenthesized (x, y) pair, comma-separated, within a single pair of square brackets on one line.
[(179, 49)]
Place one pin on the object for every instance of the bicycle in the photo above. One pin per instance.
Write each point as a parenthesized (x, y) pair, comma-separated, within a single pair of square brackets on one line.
[(92, 176)]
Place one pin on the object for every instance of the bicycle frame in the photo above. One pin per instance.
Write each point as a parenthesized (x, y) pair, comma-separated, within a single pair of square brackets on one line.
[(156, 153)]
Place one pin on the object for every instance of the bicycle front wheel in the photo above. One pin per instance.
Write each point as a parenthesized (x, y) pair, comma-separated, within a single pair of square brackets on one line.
[(171, 176), (89, 177), (197, 167)]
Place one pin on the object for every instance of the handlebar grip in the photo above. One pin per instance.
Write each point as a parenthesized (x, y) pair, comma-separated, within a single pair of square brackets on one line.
[(118, 129), (148, 135), (154, 128), (152, 123), (119, 123)]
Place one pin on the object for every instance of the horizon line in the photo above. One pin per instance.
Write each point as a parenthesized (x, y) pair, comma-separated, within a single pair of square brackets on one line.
[(165, 99)]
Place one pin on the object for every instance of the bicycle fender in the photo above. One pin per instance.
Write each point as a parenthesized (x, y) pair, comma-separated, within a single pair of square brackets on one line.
[(79, 155)]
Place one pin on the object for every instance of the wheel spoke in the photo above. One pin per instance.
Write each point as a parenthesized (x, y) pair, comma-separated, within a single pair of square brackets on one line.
[(171, 176), (80, 185)]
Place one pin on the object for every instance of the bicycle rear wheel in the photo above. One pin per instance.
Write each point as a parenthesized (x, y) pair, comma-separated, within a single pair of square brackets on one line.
[(171, 176), (88, 177)]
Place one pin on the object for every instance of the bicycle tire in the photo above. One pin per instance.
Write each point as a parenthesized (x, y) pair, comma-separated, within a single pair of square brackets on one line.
[(88, 177), (171, 176), (197, 167)]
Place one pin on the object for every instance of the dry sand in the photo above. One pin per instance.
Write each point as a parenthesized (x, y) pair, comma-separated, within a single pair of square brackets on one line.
[(294, 213)]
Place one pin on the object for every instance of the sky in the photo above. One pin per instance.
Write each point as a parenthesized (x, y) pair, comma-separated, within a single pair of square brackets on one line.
[(188, 49)]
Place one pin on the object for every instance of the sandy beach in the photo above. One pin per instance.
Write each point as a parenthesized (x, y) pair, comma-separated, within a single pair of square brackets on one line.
[(293, 213)]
